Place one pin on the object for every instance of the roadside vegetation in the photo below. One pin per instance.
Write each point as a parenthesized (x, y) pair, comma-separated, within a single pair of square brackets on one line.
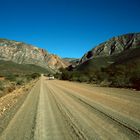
[(117, 76), (9, 82), (13, 75)]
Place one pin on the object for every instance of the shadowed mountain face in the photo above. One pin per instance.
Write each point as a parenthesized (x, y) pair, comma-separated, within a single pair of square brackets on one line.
[(116, 51), (113, 46), (22, 53)]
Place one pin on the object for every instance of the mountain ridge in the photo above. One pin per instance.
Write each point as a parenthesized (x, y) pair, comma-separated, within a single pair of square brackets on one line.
[(23, 53), (113, 46)]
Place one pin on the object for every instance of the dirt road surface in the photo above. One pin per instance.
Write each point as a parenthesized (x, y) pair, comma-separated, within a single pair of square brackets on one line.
[(61, 110)]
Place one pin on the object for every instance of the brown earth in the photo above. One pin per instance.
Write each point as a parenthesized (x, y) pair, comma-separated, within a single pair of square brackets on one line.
[(61, 110)]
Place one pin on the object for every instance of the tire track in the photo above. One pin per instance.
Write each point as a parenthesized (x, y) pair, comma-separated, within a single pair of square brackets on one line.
[(95, 107), (73, 127), (134, 132), (49, 123)]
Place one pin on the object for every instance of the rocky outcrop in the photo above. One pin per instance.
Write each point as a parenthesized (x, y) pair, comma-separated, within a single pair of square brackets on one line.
[(22, 53), (113, 46)]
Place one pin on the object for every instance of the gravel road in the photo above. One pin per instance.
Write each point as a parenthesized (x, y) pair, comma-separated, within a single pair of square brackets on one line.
[(61, 110)]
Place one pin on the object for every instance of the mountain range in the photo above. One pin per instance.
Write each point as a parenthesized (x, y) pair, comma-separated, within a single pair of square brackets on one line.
[(23, 53), (116, 60)]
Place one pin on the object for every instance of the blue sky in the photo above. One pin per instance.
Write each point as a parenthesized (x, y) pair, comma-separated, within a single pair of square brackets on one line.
[(68, 28)]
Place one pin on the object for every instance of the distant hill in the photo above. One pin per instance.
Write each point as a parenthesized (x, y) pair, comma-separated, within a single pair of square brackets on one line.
[(115, 62), (23, 53), (9, 67)]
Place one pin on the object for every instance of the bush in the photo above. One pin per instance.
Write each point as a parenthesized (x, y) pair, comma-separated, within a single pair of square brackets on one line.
[(74, 78), (135, 80), (20, 82), (1, 86), (57, 75), (11, 77), (119, 81), (32, 76), (83, 78), (105, 83), (35, 75), (10, 88), (136, 83), (66, 75)]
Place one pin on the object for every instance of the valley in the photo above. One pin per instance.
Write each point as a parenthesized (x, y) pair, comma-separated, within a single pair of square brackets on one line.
[(45, 97), (70, 70)]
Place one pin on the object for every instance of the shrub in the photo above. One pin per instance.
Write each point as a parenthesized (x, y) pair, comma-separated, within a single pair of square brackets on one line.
[(57, 75), (35, 75), (11, 77), (66, 75), (83, 78), (105, 83), (136, 83), (74, 78), (119, 81), (20, 82), (10, 88), (1, 86), (32, 76)]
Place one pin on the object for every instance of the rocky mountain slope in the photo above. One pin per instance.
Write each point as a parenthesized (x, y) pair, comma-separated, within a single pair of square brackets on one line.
[(22, 53), (114, 46)]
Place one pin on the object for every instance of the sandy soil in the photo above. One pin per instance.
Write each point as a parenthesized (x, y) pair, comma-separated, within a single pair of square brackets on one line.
[(61, 110)]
